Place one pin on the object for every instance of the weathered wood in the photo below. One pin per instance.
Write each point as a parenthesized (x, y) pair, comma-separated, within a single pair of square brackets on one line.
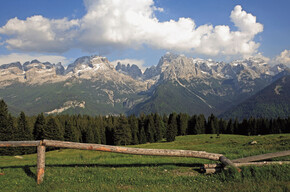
[(226, 162), (262, 157), (213, 166), (40, 163), (212, 170), (262, 163), (134, 151), (19, 143)]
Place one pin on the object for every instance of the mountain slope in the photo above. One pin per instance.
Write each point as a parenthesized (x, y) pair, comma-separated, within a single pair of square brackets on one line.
[(91, 85), (171, 97), (271, 102)]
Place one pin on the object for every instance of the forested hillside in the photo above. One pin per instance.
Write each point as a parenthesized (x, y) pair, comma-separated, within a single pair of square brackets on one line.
[(122, 130)]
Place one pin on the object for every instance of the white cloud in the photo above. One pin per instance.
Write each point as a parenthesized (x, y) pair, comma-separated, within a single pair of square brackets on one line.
[(137, 62), (283, 58), (40, 34), (14, 57), (121, 24)]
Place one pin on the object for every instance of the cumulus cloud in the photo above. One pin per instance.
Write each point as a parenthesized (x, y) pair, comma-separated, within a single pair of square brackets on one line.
[(137, 62), (5, 59), (119, 24), (40, 34), (283, 58)]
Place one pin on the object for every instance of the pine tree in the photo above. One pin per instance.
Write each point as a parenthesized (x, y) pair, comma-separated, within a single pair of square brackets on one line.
[(159, 127), (109, 129), (212, 125), (52, 130), (192, 126), (70, 132), (201, 123), (236, 126), (39, 127), (150, 129), (122, 133), (9, 133), (133, 122), (89, 136), (230, 127), (171, 128), (3, 120), (182, 122), (141, 125), (101, 128), (24, 133)]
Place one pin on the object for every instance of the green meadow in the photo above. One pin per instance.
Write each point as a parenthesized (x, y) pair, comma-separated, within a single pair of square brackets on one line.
[(80, 170)]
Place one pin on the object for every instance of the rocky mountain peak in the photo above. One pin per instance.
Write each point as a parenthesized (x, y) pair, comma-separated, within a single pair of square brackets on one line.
[(88, 63), (11, 65), (132, 70)]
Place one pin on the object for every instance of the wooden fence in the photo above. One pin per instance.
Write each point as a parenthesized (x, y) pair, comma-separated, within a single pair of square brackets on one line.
[(41, 146)]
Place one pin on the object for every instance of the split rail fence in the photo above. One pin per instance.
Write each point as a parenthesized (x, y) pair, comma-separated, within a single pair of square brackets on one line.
[(208, 168)]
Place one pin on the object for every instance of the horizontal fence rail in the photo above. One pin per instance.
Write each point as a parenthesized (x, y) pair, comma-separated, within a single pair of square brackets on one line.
[(20, 143), (262, 157), (134, 151)]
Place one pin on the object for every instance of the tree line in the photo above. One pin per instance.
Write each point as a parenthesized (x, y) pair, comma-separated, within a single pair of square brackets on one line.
[(123, 130)]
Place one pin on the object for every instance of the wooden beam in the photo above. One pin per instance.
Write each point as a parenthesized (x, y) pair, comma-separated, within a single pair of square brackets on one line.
[(262, 157), (226, 162), (19, 143), (134, 151), (40, 163), (216, 166)]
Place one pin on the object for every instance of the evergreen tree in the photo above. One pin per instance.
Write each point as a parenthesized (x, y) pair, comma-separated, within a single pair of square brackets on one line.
[(133, 122), (70, 132), (141, 125), (9, 133), (212, 125), (171, 128), (96, 130), (236, 126), (201, 123), (39, 127), (100, 124), (159, 127), (24, 133), (222, 126), (88, 135), (3, 120), (122, 133), (182, 122), (150, 129), (109, 129), (192, 127), (52, 130), (230, 127)]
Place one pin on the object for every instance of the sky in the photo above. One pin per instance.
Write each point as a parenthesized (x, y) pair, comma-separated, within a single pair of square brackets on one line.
[(141, 31)]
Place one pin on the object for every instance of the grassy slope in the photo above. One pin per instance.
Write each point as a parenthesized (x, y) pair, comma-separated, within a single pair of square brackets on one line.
[(75, 170)]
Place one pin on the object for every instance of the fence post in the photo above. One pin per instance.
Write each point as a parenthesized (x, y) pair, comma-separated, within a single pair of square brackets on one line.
[(40, 162)]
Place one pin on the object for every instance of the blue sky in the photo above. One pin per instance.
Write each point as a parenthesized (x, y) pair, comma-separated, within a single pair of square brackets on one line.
[(144, 30)]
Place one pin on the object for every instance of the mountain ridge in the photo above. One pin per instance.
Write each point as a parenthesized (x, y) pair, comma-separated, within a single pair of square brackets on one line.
[(179, 83)]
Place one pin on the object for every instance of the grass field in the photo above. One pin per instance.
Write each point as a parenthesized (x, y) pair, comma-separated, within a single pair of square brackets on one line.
[(76, 170)]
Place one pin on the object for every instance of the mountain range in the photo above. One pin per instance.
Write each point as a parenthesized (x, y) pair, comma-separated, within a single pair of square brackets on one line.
[(92, 85)]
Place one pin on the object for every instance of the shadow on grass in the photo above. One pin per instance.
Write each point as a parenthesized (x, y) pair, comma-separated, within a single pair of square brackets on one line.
[(28, 172)]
